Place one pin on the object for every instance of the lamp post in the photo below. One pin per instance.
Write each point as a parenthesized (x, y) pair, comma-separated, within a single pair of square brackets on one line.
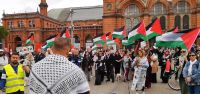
[(72, 26)]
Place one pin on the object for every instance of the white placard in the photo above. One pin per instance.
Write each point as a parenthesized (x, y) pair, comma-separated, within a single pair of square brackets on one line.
[(143, 44), (88, 45), (23, 50)]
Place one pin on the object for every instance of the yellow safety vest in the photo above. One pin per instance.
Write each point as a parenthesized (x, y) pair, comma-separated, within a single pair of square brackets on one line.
[(14, 82)]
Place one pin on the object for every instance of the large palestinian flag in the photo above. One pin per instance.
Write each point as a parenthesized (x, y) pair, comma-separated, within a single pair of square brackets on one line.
[(154, 29), (138, 32), (30, 40), (49, 42), (183, 39), (119, 33), (99, 39)]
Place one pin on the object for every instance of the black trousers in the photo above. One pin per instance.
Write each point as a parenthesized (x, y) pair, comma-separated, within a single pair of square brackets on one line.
[(110, 72)]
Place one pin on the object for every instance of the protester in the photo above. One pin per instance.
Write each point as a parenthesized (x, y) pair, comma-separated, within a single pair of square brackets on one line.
[(87, 65), (12, 78), (165, 75), (109, 62), (99, 68), (39, 56), (140, 64), (182, 61), (154, 65), (191, 73), (117, 63), (3, 60), (55, 74), (126, 64)]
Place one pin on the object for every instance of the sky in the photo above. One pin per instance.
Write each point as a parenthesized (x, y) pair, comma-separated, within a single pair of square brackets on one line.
[(21, 6)]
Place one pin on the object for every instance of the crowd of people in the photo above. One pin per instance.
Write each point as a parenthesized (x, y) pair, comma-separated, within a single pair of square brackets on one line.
[(59, 69)]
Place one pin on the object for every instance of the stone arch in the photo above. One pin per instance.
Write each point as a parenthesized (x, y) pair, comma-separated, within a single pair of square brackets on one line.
[(178, 2), (188, 1), (153, 9), (124, 4), (151, 3), (18, 41)]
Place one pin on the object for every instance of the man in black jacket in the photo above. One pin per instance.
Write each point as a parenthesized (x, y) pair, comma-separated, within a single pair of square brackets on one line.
[(109, 60), (39, 56)]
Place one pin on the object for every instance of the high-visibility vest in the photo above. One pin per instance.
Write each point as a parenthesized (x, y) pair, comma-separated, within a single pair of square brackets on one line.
[(14, 82)]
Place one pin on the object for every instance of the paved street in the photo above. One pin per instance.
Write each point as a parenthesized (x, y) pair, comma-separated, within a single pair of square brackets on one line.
[(124, 88)]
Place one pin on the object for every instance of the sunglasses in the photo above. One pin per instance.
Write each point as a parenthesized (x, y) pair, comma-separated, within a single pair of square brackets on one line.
[(192, 55)]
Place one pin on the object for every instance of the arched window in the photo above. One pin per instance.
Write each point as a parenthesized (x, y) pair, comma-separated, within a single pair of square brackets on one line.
[(77, 39), (131, 16), (88, 39), (177, 21), (163, 22), (132, 10), (158, 9), (186, 22), (18, 42), (181, 7)]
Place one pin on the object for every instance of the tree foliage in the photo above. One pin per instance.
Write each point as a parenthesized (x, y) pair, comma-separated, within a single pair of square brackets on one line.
[(3, 32)]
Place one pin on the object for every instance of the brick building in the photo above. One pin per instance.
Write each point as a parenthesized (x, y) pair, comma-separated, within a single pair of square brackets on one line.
[(91, 21), (172, 13)]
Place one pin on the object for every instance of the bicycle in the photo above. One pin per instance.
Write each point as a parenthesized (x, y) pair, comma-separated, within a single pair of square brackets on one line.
[(173, 81)]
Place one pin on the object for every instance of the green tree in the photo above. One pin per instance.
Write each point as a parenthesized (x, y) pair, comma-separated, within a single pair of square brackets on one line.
[(3, 32)]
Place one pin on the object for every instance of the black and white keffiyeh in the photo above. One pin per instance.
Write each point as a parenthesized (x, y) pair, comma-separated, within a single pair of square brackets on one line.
[(56, 75)]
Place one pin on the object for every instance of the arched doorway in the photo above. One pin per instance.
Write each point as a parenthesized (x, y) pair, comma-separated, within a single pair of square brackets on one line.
[(76, 42), (88, 41), (18, 42)]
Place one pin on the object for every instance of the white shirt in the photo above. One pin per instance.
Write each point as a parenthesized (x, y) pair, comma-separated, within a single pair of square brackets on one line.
[(3, 61), (190, 67)]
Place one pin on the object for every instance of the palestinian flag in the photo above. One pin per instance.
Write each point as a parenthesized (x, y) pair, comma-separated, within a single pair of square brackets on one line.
[(154, 29), (183, 39), (65, 34), (126, 42), (96, 46), (99, 39), (175, 30), (49, 42), (138, 32), (30, 40), (119, 33), (109, 36), (113, 42)]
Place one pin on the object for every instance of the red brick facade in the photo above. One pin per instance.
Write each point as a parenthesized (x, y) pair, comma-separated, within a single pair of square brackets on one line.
[(115, 15), (114, 12)]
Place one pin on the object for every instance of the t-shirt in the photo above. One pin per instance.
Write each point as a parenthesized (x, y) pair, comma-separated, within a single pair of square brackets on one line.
[(55, 74)]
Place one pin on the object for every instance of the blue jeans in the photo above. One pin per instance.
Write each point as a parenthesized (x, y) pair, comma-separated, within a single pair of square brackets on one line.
[(194, 89)]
